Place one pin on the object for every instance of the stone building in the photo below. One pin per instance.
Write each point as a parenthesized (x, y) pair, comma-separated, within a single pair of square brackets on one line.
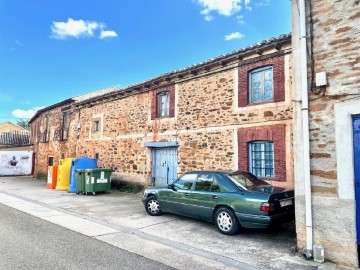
[(328, 203), (228, 113), (13, 137), (9, 127)]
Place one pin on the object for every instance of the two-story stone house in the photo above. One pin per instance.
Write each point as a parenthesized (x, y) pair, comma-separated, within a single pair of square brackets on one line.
[(233, 112)]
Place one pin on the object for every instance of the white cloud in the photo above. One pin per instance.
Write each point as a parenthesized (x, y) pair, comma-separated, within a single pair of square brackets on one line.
[(18, 43), (240, 19), (262, 3), (235, 35), (208, 18), (25, 113), (222, 7), (107, 34), (78, 29)]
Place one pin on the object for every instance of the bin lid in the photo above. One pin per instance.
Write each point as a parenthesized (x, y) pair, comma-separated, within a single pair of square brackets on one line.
[(99, 170)]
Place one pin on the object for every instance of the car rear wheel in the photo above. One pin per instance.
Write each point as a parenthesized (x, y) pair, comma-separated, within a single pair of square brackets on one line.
[(152, 206), (226, 221)]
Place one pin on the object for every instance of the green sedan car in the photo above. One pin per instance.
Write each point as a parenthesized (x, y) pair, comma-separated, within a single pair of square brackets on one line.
[(231, 200)]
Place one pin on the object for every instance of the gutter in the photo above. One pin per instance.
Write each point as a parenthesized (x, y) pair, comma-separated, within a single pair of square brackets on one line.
[(305, 132)]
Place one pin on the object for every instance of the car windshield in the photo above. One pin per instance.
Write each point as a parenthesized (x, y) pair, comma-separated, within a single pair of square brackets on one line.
[(247, 180)]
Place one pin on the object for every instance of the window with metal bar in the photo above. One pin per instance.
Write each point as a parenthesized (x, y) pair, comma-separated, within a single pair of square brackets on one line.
[(261, 155)]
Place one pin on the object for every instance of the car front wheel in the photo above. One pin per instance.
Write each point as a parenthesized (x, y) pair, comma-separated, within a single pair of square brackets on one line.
[(152, 206), (226, 221)]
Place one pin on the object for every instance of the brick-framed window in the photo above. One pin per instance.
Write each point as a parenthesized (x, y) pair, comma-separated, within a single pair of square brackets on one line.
[(261, 85), (163, 102), (246, 72), (261, 158), (274, 134)]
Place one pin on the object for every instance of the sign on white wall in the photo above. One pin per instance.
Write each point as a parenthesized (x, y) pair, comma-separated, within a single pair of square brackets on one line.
[(15, 162)]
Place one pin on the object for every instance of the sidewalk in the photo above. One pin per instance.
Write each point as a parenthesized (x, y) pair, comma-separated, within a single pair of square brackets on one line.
[(120, 220)]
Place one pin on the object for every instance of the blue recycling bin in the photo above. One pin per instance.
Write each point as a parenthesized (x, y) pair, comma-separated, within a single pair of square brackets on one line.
[(80, 163)]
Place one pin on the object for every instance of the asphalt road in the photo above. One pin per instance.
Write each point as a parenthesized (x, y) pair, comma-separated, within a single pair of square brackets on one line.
[(27, 242)]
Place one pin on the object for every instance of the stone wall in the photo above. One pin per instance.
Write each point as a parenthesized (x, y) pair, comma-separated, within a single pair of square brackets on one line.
[(204, 120), (336, 35)]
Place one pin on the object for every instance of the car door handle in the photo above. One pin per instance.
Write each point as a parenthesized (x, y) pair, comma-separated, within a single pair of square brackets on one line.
[(186, 194), (215, 197)]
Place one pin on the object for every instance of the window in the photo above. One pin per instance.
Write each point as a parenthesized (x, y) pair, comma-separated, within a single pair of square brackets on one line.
[(204, 182), (224, 184), (185, 182), (163, 103), (96, 125), (64, 128), (215, 187), (50, 161), (47, 130), (261, 158), (261, 85)]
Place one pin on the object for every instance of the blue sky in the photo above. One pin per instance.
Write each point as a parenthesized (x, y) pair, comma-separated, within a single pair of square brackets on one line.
[(51, 50)]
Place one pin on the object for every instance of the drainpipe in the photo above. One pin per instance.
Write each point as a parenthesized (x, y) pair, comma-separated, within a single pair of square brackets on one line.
[(305, 132)]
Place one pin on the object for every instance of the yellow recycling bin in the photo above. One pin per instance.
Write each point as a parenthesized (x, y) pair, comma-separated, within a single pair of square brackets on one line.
[(63, 179)]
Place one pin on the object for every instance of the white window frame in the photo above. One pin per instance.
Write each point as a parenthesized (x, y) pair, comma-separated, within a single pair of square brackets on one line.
[(263, 166), (163, 104), (262, 72)]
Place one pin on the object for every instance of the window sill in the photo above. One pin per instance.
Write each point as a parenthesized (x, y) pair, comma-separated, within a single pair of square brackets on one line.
[(260, 103), (163, 117)]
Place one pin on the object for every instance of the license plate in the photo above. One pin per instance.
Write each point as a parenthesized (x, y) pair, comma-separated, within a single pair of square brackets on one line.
[(285, 203)]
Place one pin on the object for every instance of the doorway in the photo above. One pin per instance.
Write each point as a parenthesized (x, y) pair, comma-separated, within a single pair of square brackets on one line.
[(356, 147), (164, 169)]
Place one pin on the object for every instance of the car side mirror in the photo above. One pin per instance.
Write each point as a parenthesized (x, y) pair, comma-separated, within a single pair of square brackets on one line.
[(171, 186)]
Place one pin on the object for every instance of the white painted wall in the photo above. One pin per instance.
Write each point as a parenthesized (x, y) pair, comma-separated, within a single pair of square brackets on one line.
[(15, 162), (344, 147)]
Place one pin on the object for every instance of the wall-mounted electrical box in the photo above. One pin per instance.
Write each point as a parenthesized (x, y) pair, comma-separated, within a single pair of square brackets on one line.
[(320, 78)]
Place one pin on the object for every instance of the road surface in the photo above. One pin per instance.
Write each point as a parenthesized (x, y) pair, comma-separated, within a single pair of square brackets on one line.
[(27, 242)]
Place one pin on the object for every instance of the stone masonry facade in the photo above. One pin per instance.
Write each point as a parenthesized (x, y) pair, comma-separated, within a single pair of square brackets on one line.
[(336, 51), (205, 121)]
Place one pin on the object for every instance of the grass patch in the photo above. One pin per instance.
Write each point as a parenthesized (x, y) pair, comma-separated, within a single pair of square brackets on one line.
[(128, 187), (41, 177)]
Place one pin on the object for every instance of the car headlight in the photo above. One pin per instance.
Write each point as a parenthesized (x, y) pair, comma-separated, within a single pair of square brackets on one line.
[(146, 192)]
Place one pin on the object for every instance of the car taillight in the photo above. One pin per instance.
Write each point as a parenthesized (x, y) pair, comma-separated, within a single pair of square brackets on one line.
[(267, 207)]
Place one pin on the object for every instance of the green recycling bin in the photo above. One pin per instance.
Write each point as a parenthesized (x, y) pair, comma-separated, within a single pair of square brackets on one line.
[(97, 180), (80, 181)]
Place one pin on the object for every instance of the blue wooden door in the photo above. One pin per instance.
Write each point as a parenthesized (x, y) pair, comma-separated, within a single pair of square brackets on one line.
[(164, 170), (356, 141)]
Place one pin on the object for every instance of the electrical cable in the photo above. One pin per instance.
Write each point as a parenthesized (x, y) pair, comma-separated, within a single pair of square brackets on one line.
[(312, 86)]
